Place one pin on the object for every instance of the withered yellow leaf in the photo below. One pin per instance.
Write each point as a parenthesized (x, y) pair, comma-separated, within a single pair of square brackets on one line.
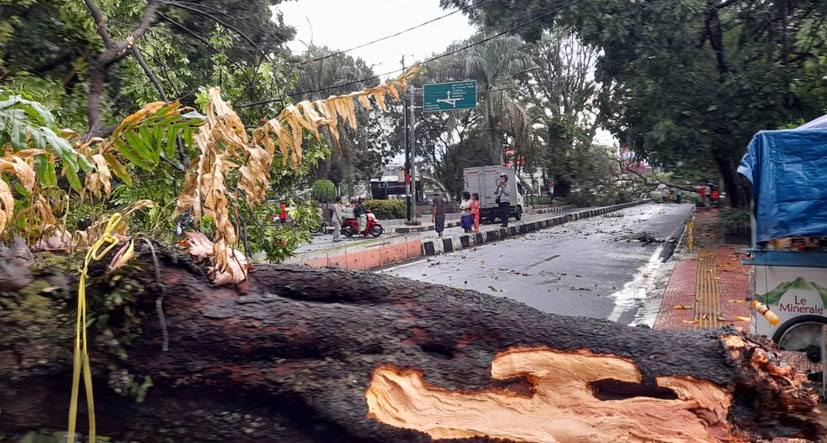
[(364, 100), (122, 256)]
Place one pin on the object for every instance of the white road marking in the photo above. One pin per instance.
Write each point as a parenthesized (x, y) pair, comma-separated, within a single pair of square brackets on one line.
[(636, 290)]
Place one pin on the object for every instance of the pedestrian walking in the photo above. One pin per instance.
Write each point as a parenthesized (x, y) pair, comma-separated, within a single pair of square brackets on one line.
[(466, 220), (678, 195), (475, 211), (503, 193), (337, 218), (438, 218), (664, 195)]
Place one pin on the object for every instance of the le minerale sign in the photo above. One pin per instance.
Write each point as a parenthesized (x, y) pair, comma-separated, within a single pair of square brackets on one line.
[(801, 306), (798, 296)]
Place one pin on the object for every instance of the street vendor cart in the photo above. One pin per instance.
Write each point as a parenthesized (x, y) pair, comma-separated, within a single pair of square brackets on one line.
[(788, 277)]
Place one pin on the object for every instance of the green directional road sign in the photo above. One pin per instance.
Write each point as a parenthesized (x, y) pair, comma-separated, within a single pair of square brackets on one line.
[(450, 96)]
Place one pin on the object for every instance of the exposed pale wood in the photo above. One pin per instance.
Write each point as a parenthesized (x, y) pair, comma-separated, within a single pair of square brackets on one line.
[(562, 405)]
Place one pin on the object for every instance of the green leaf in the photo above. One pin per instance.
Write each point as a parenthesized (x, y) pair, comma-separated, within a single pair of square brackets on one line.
[(139, 148), (61, 146), (172, 136), (117, 168), (72, 176), (133, 156), (17, 133), (152, 146), (33, 109), (45, 170), (19, 188)]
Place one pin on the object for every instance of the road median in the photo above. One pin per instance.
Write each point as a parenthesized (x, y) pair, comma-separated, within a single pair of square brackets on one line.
[(390, 250)]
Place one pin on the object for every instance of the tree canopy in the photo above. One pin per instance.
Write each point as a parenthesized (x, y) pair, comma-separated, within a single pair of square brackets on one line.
[(692, 79)]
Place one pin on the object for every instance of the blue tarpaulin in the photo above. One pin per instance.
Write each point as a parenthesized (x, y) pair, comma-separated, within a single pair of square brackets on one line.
[(788, 171), (820, 122)]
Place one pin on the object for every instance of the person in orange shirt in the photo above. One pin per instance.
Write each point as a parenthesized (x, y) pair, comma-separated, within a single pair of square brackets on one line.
[(475, 211)]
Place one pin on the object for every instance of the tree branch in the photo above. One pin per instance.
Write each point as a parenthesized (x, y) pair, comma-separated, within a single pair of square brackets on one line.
[(136, 51), (111, 55), (100, 27)]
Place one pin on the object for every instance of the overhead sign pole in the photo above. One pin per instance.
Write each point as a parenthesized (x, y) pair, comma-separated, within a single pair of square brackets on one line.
[(410, 215), (412, 119), (453, 96)]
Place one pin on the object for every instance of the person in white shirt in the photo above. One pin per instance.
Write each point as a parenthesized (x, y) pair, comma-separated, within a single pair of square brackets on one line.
[(337, 219), (466, 219)]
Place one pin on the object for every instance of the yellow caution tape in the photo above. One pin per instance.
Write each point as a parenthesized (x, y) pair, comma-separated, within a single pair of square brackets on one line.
[(81, 348)]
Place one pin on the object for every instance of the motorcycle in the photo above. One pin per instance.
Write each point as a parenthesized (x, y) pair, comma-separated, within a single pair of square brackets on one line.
[(315, 229), (350, 227)]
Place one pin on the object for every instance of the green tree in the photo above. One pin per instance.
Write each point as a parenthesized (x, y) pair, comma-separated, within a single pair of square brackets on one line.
[(688, 79), (68, 53), (493, 65), (324, 191)]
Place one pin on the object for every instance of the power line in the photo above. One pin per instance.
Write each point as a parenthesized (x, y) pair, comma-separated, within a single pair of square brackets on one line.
[(437, 57), (333, 54)]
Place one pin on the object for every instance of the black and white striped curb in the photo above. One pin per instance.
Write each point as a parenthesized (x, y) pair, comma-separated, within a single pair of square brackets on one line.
[(554, 209), (443, 245), (455, 223)]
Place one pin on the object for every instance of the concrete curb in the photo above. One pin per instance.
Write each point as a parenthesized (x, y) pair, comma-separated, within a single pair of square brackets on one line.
[(431, 247), (454, 223), (554, 209), (424, 227)]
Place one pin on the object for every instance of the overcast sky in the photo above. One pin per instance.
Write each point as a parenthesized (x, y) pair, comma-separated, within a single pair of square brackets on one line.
[(343, 24)]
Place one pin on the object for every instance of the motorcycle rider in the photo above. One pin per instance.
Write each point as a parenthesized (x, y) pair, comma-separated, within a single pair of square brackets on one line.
[(361, 215)]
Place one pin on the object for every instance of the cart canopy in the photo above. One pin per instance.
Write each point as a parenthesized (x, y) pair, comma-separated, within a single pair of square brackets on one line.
[(788, 171)]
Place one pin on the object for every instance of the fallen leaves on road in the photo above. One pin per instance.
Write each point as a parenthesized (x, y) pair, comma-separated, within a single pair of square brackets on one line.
[(742, 318), (684, 307)]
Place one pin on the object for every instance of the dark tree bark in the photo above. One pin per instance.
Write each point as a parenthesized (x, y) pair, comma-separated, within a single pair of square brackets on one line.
[(733, 184), (115, 51), (302, 355)]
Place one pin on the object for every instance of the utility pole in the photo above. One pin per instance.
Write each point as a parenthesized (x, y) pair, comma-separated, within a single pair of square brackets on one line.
[(409, 106), (411, 215), (412, 119)]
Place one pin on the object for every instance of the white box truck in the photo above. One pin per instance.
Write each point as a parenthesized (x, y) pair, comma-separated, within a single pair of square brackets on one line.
[(483, 181)]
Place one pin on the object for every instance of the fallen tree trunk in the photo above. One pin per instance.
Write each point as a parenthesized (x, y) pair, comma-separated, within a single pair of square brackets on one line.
[(330, 355)]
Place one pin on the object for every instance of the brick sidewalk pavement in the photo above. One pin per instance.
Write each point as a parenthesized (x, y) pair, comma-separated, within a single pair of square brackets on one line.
[(678, 306)]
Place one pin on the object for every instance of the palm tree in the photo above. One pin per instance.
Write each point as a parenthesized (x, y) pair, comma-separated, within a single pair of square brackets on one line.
[(326, 73), (493, 65)]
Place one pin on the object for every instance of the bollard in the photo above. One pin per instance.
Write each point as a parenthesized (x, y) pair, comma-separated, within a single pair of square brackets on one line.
[(690, 241)]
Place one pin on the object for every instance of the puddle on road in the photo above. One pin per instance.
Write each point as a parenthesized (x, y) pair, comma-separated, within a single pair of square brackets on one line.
[(636, 292)]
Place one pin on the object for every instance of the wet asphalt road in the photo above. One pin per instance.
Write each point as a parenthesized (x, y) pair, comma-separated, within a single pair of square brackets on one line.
[(595, 267)]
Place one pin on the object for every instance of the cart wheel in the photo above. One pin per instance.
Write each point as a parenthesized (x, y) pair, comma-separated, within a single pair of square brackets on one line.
[(801, 334), (518, 213)]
